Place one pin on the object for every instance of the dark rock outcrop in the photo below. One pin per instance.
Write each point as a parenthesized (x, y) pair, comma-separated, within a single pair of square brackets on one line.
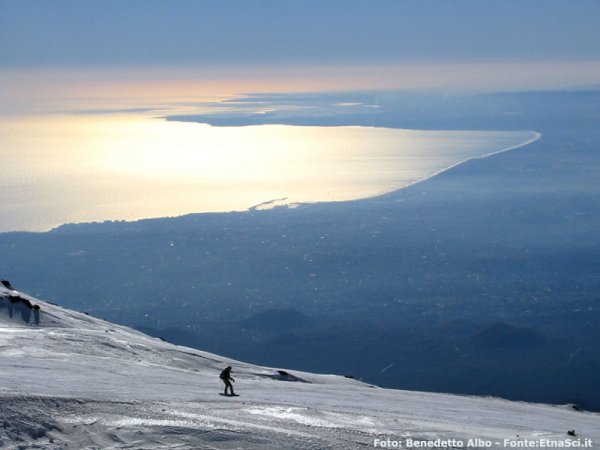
[(16, 306)]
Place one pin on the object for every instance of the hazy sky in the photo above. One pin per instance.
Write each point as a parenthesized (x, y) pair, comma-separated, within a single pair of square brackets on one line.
[(244, 32), (76, 49)]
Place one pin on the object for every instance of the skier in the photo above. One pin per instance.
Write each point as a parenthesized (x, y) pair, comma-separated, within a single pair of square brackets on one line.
[(227, 379)]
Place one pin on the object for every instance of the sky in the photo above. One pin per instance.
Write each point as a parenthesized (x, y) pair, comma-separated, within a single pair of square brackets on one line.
[(151, 50), (290, 32)]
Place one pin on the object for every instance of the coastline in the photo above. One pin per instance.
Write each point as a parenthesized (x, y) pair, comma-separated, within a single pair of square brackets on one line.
[(280, 202), (536, 136)]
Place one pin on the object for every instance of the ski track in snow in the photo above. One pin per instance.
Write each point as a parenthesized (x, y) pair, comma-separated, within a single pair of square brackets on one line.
[(74, 381)]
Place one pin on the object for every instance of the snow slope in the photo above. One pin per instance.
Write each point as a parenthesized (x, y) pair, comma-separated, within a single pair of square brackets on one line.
[(73, 381)]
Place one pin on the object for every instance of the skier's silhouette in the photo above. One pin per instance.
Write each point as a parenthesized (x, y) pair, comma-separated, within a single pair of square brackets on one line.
[(227, 379)]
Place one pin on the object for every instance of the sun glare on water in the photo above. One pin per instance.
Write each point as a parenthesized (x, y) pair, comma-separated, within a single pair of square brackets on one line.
[(192, 152), (100, 167)]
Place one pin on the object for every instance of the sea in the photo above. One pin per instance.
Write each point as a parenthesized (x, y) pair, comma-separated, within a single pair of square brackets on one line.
[(85, 168)]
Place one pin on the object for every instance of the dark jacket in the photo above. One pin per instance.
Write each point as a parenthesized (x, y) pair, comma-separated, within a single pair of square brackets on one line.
[(226, 374)]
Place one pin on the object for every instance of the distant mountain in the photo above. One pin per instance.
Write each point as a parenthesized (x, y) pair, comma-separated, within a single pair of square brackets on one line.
[(504, 336)]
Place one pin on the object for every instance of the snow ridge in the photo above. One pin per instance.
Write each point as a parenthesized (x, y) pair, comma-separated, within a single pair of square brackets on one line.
[(74, 381)]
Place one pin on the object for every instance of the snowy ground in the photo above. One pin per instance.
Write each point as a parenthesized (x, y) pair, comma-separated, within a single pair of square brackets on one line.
[(73, 381)]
